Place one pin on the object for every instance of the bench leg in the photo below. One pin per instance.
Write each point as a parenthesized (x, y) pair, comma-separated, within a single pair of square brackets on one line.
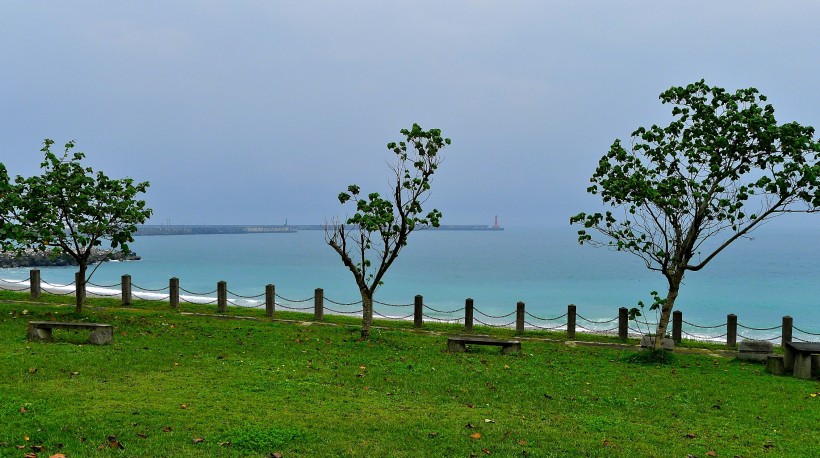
[(513, 348), (102, 336), (815, 364), (39, 334), (456, 347), (802, 365)]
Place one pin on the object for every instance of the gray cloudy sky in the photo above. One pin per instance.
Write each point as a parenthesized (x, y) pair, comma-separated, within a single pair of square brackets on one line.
[(258, 111)]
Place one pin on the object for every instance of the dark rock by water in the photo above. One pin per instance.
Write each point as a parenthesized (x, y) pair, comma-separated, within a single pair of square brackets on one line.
[(31, 258)]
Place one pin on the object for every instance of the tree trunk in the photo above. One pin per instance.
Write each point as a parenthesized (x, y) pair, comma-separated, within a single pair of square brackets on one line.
[(80, 288), (367, 313), (666, 310)]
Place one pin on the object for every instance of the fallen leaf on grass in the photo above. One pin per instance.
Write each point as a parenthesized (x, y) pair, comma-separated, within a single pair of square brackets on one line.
[(142, 435), (114, 443), (522, 442), (475, 435), (469, 426), (487, 420), (30, 455), (432, 435), (486, 451), (38, 448), (23, 410), (275, 455), (166, 429), (607, 443), (32, 370), (470, 405), (691, 435), (711, 453), (57, 455), (198, 440)]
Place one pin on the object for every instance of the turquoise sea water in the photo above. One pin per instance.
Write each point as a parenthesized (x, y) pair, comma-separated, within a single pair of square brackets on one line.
[(761, 280)]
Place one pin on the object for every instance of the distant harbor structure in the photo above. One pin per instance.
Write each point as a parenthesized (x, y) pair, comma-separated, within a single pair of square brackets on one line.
[(201, 229), (187, 229)]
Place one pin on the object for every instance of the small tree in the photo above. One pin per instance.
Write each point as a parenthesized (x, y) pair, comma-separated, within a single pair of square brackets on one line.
[(370, 240), (71, 209), (687, 191)]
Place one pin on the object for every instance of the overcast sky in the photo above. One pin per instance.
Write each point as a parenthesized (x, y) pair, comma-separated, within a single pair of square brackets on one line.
[(253, 112)]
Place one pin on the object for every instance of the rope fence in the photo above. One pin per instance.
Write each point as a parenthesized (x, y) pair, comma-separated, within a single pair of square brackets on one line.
[(522, 320)]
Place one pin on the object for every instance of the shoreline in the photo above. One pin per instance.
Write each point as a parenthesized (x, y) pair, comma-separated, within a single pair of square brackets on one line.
[(102, 291)]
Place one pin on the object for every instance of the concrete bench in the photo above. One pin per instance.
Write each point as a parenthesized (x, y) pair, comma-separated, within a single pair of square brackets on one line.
[(775, 364), (101, 334), (755, 350), (458, 344), (798, 357)]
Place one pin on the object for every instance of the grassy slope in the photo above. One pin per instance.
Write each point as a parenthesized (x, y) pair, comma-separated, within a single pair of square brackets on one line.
[(251, 388)]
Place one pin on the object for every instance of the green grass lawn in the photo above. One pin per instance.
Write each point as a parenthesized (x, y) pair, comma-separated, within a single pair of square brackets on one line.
[(175, 384)]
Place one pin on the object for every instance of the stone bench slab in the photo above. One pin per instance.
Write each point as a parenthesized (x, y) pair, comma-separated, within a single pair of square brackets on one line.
[(458, 344), (101, 334)]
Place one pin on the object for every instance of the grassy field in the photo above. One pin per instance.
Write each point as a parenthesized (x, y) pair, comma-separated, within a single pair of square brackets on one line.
[(175, 383)]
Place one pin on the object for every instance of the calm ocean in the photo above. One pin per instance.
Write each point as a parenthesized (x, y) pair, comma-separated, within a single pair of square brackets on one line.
[(759, 280)]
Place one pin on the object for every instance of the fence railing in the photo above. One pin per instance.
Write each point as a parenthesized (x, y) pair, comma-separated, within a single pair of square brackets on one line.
[(519, 319)]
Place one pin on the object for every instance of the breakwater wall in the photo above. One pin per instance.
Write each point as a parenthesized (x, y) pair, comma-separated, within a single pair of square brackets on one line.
[(569, 322), (168, 229)]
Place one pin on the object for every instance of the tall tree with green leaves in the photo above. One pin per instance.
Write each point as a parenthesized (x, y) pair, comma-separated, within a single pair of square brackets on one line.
[(70, 209), (5, 224), (683, 193), (370, 241)]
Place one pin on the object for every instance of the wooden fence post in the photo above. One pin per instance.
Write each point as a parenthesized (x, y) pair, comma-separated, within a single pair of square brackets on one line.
[(623, 323), (126, 289), (173, 292), (519, 318), (731, 330), (418, 311), (468, 315), (786, 331), (677, 326), (571, 315), (270, 300), (34, 283), (319, 304), (221, 296)]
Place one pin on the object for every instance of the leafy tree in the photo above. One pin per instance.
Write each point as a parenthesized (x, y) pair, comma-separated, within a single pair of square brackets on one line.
[(72, 210), (369, 241), (5, 224), (685, 192)]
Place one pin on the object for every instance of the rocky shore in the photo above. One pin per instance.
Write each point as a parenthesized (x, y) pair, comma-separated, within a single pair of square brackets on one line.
[(40, 259)]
